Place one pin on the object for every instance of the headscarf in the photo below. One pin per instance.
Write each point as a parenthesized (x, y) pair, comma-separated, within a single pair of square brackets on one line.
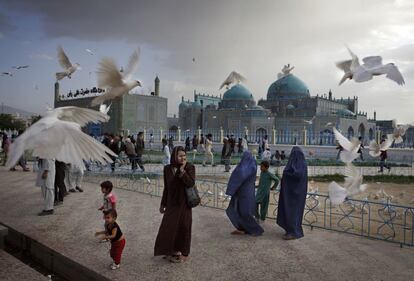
[(247, 164), (296, 165), (174, 155)]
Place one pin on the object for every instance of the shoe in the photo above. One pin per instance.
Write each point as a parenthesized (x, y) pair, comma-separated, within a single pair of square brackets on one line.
[(13, 169), (66, 193), (288, 237), (115, 266), (57, 203), (72, 190), (45, 213), (26, 170), (79, 189)]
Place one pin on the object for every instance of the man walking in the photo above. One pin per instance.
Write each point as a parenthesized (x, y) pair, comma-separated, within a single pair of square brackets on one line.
[(46, 181), (139, 149)]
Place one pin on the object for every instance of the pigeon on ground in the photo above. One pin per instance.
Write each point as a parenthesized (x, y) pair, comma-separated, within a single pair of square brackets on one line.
[(371, 67), (116, 83), (68, 68), (233, 78), (58, 135), (351, 147)]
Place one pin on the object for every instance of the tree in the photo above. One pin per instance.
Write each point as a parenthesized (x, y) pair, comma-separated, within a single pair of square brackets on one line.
[(7, 121), (34, 119)]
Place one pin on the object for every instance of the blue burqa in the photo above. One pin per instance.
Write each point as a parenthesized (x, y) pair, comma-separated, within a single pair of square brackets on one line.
[(292, 197), (241, 188)]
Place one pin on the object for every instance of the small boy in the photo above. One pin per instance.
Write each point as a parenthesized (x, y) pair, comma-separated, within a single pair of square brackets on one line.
[(114, 234), (109, 200), (263, 190)]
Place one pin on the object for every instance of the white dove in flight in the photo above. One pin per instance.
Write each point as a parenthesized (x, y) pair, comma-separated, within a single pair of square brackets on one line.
[(68, 67), (58, 135), (116, 83), (352, 185), (310, 122), (7, 73), (351, 147), (103, 108), (371, 67), (375, 148), (233, 78), (399, 131)]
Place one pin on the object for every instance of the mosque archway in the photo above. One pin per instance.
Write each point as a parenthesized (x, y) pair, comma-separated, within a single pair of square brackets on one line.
[(260, 133), (361, 131), (350, 132), (371, 134)]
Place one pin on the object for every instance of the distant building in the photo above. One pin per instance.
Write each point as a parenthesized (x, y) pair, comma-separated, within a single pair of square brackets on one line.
[(128, 115)]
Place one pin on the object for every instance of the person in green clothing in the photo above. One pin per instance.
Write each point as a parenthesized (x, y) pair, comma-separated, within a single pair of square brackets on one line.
[(263, 190)]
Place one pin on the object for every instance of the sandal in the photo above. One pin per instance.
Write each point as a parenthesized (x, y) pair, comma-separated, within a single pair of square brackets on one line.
[(178, 259), (237, 232)]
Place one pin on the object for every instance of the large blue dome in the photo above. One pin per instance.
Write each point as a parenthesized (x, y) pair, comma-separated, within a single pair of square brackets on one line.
[(287, 87), (238, 92)]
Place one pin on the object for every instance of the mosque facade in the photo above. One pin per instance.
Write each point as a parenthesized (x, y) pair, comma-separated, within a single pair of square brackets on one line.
[(128, 115), (288, 114)]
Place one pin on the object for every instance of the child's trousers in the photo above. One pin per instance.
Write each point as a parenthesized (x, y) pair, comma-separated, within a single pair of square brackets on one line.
[(262, 207), (116, 250)]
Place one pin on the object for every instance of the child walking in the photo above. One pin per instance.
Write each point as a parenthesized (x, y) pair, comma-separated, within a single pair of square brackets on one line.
[(263, 190), (114, 234), (109, 199)]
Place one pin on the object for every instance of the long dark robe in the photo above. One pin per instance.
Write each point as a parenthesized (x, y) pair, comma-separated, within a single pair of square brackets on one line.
[(174, 234), (241, 188), (292, 197)]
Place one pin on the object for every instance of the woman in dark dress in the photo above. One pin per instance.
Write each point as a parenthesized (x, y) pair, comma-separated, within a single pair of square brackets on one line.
[(292, 197), (174, 236)]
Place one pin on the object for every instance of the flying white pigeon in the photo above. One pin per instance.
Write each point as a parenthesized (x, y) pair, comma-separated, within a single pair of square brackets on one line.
[(90, 51), (352, 186), (399, 131), (310, 122), (375, 148), (351, 147), (58, 135), (20, 67), (116, 83), (68, 68), (372, 66), (233, 78), (103, 108)]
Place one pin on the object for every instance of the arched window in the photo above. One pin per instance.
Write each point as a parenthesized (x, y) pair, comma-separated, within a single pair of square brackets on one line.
[(350, 132)]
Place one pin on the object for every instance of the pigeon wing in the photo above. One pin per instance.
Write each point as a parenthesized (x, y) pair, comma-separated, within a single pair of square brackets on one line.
[(82, 116), (344, 65), (63, 58), (394, 74), (343, 141), (372, 61), (337, 193), (108, 74), (132, 65)]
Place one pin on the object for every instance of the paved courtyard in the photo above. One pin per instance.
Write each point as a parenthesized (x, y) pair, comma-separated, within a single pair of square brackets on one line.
[(216, 255)]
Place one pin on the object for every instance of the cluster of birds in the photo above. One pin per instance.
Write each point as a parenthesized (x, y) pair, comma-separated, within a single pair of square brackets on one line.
[(353, 176), (58, 134)]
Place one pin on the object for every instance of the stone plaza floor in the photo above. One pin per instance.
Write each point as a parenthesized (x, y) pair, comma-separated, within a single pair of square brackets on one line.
[(216, 255)]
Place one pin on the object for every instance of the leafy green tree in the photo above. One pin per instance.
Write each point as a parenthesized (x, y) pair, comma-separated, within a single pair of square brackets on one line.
[(7, 121)]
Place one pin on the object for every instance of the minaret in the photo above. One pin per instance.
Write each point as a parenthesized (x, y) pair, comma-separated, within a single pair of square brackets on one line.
[(56, 99), (157, 86)]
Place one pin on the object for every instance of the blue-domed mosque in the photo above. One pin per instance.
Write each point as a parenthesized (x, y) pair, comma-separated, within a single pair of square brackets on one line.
[(283, 114)]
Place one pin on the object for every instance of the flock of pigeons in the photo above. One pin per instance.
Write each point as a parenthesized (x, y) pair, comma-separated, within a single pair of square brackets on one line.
[(58, 134), (353, 176)]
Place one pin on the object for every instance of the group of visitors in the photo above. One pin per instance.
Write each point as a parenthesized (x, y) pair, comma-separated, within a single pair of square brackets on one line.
[(133, 149), (246, 209), (56, 180), (5, 148)]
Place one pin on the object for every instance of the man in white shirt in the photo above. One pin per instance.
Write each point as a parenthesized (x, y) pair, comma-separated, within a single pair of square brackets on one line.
[(46, 180), (208, 153)]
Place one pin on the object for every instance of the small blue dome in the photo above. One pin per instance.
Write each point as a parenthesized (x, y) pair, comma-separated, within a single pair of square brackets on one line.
[(196, 104), (238, 92), (287, 87)]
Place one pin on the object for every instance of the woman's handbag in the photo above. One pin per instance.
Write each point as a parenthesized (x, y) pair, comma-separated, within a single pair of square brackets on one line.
[(193, 199)]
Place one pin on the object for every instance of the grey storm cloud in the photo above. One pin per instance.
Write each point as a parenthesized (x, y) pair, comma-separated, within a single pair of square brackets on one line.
[(255, 38)]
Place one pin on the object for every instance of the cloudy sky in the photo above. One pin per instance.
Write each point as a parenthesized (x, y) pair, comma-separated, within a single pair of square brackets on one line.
[(256, 38)]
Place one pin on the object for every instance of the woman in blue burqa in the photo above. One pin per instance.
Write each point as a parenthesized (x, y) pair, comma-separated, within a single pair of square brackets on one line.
[(241, 188), (292, 197)]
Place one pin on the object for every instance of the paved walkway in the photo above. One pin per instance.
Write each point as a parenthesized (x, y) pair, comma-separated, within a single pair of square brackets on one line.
[(216, 255), (11, 269)]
